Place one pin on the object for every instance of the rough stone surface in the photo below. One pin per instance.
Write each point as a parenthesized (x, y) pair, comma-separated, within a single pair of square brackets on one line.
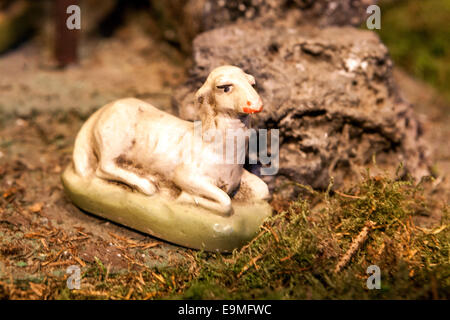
[(318, 12), (183, 20), (329, 91)]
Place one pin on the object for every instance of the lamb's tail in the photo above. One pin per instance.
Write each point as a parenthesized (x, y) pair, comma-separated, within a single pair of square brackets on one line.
[(84, 159)]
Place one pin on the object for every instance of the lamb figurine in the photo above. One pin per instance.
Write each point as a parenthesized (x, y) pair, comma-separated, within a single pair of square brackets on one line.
[(132, 142), (141, 167)]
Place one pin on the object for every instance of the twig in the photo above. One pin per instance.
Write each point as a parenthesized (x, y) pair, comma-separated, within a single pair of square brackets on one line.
[(252, 241), (61, 263), (44, 244), (54, 258), (37, 288), (79, 261), (248, 265), (287, 257), (355, 245), (130, 292), (347, 195), (269, 229), (159, 277)]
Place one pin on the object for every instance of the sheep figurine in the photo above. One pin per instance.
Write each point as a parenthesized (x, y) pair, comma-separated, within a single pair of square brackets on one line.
[(132, 143)]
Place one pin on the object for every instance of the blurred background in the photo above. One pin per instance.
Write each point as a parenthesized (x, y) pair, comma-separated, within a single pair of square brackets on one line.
[(144, 49), (417, 32)]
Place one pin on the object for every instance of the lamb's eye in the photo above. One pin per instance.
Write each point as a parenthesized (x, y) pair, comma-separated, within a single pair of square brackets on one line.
[(225, 87)]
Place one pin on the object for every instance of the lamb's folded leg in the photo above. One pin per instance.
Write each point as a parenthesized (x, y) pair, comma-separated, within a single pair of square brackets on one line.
[(257, 185), (110, 171), (197, 190)]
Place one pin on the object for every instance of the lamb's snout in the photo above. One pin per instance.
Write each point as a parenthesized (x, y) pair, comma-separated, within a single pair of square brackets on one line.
[(253, 107)]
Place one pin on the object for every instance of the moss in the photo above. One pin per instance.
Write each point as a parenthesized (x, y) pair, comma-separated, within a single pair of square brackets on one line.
[(295, 256), (297, 250)]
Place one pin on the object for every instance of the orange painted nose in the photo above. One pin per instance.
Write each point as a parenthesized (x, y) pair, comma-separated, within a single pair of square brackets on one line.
[(251, 110)]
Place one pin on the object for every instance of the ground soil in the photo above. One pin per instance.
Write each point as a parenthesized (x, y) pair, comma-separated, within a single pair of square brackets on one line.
[(41, 110)]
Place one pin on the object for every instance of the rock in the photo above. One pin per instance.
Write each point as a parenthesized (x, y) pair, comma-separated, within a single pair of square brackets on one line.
[(329, 91), (183, 20), (317, 12), (179, 21)]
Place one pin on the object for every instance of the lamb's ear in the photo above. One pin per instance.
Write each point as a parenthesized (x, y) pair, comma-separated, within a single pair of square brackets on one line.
[(203, 93), (204, 101), (204, 98), (251, 79)]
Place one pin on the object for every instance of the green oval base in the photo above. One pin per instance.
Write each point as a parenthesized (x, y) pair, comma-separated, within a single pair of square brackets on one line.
[(160, 216)]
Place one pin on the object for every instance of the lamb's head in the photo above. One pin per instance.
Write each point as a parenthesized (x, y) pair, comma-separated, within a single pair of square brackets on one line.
[(228, 89)]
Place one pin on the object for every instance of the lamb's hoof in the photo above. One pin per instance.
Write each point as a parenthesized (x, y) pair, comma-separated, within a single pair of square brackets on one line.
[(165, 217), (227, 212), (185, 197), (221, 210)]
